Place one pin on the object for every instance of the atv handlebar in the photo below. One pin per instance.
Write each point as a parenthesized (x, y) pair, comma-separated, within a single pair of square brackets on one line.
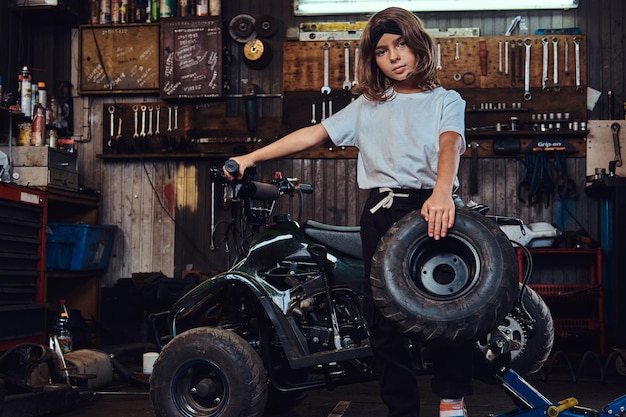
[(245, 187)]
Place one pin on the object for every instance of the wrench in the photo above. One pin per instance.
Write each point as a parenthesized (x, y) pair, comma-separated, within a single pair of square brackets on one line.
[(169, 118), (506, 57), (439, 67), (326, 88), (313, 121), (618, 153), (520, 61), (527, 95), (150, 108), (544, 71), (175, 117), (500, 56), (135, 109), (555, 73), (566, 57), (158, 120), (112, 117), (579, 88), (143, 121), (355, 82), (456, 51), (119, 129), (513, 78), (346, 57)]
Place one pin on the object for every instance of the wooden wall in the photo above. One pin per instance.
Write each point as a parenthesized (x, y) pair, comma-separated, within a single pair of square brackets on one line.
[(163, 207)]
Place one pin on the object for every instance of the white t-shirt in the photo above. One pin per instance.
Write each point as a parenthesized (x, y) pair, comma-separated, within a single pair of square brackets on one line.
[(398, 139)]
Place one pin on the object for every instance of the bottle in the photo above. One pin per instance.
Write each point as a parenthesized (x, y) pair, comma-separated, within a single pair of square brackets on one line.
[(63, 330), (43, 94), (38, 127), (25, 91)]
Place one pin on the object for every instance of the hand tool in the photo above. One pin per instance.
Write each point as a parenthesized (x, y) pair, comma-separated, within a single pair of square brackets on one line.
[(618, 153), (356, 65), (506, 57), (500, 56), (579, 88), (175, 117), (326, 88), (439, 66), (513, 25), (513, 77), (346, 58), (119, 129), (169, 118), (520, 61), (112, 117), (158, 119), (566, 56), (483, 53), (527, 95), (135, 109), (143, 120), (456, 51), (150, 109), (313, 121), (555, 73), (212, 244), (544, 68)]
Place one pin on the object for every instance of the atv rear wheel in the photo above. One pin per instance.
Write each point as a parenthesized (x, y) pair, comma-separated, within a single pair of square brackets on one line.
[(208, 372), (451, 290), (534, 331)]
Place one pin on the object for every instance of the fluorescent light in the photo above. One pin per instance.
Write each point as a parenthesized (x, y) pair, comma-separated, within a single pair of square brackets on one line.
[(330, 7)]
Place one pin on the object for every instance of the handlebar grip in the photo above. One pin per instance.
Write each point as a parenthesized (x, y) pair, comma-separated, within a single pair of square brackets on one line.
[(262, 191), (306, 188), (232, 167)]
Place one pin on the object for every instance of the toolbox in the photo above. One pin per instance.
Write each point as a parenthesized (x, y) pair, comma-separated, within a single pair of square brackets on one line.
[(42, 166)]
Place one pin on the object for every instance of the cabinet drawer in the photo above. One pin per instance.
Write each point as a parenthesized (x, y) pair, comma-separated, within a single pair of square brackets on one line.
[(42, 156), (46, 177)]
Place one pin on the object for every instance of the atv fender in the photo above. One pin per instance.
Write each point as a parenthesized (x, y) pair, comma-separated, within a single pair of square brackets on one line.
[(292, 340)]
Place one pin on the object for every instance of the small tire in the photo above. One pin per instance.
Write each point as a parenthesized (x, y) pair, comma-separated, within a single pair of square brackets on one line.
[(453, 290), (208, 372)]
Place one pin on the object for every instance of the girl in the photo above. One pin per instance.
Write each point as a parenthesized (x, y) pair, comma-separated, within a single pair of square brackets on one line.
[(410, 135)]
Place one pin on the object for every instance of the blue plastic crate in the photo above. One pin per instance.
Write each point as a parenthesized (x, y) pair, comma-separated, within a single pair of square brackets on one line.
[(79, 247)]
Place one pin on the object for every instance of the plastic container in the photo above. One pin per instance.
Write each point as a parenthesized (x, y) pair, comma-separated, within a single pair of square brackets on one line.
[(79, 247)]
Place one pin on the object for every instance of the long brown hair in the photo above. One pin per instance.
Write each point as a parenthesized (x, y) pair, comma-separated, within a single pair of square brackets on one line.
[(372, 82)]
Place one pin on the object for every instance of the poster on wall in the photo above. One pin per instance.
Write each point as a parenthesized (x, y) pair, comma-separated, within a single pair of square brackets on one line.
[(191, 58), (110, 63)]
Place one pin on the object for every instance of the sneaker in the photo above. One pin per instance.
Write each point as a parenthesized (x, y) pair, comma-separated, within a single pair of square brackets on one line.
[(452, 408)]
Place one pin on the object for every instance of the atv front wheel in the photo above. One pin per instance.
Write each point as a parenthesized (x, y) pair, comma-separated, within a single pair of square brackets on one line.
[(455, 289), (208, 372)]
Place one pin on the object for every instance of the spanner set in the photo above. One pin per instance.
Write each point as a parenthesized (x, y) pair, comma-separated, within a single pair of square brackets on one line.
[(524, 63), (140, 126)]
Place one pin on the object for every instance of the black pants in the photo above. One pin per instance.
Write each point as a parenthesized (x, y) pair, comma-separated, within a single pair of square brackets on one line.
[(452, 365)]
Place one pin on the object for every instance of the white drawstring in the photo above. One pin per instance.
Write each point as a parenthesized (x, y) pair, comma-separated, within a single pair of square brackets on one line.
[(387, 201)]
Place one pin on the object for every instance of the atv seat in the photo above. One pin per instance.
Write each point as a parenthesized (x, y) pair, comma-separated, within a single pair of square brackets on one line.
[(345, 239)]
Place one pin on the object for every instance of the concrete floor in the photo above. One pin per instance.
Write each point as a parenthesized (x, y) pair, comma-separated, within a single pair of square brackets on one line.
[(362, 400)]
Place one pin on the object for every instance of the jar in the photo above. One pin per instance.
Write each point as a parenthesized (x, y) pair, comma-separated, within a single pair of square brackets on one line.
[(514, 123), (25, 130)]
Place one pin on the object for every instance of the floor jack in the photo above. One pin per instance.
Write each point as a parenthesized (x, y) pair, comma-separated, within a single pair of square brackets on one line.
[(530, 402)]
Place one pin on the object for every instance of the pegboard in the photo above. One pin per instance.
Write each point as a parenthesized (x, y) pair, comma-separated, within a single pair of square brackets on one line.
[(600, 146), (303, 62)]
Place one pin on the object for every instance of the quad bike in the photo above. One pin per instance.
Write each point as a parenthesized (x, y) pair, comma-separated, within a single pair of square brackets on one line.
[(287, 317)]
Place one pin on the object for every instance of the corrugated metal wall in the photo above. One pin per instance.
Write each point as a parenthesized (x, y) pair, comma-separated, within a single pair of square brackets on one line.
[(163, 208)]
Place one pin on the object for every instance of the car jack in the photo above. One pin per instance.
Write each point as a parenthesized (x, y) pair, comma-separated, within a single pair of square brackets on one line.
[(530, 402)]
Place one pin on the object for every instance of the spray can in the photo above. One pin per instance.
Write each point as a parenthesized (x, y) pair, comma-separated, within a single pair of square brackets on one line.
[(25, 88), (43, 94), (105, 12)]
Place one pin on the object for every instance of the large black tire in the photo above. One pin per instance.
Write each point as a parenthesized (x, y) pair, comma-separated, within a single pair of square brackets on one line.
[(451, 290), (208, 372), (533, 331)]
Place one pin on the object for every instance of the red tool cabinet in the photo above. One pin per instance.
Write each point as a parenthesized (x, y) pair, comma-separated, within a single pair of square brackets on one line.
[(570, 282), (22, 265)]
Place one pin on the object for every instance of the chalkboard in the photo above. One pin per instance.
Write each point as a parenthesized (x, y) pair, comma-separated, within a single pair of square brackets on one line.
[(119, 59), (191, 57)]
